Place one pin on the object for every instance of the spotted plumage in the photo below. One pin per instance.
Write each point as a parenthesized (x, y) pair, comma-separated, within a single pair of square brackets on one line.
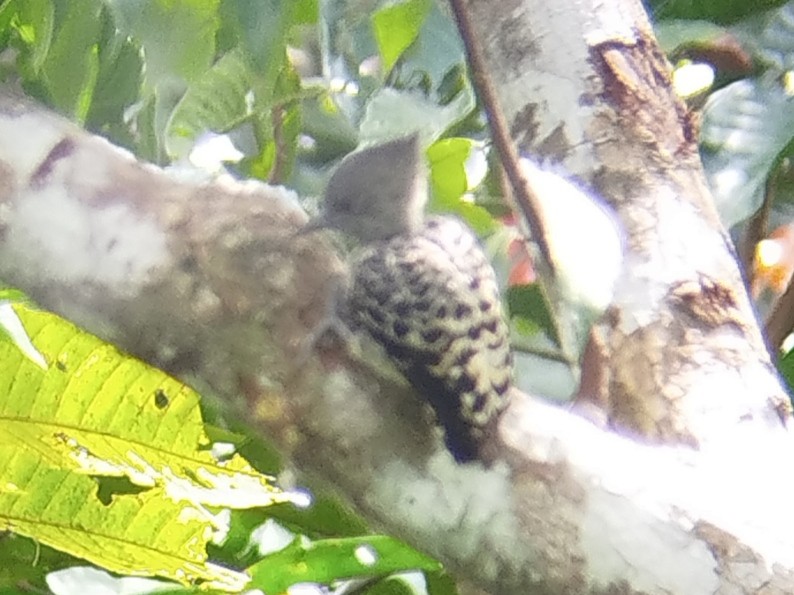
[(423, 289), (431, 300)]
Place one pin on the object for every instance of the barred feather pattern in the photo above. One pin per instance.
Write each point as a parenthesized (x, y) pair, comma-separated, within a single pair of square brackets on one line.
[(432, 301)]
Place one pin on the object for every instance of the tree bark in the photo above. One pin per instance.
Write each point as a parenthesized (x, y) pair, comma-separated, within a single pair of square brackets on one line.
[(678, 489)]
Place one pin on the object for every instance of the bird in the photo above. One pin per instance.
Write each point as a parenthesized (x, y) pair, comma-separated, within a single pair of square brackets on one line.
[(423, 289)]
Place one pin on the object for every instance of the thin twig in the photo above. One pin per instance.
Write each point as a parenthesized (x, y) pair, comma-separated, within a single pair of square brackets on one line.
[(525, 196)]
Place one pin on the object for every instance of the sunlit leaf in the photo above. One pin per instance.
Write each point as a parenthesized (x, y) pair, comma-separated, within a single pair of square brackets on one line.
[(449, 179), (396, 26), (95, 415), (11, 326)]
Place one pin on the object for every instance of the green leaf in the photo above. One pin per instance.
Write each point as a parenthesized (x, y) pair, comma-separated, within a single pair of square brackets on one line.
[(24, 561), (746, 126), (440, 583), (55, 43), (217, 102), (34, 23), (327, 124), (11, 327), (69, 72), (448, 166), (177, 42), (262, 27), (437, 50), (142, 534), (786, 367), (449, 182), (326, 517), (392, 585), (177, 36), (332, 559), (719, 11), (97, 414), (306, 12), (118, 84), (277, 131), (530, 312), (396, 27), (392, 113), (676, 34)]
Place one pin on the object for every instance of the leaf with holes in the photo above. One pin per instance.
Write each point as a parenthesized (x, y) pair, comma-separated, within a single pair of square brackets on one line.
[(106, 458)]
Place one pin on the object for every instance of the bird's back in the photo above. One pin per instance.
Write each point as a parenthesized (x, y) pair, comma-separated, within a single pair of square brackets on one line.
[(432, 301)]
